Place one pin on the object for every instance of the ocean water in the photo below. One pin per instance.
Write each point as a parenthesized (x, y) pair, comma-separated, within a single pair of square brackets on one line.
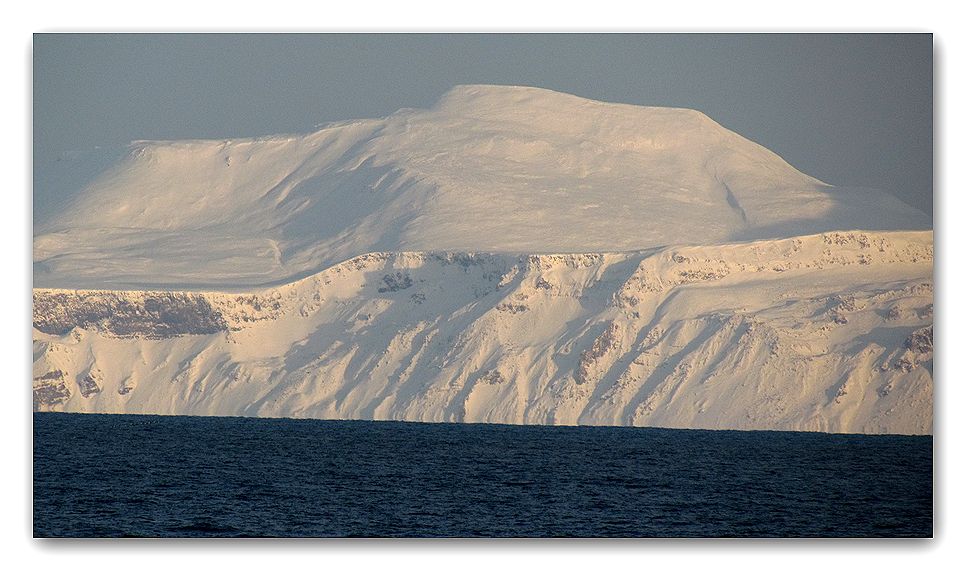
[(132, 475)]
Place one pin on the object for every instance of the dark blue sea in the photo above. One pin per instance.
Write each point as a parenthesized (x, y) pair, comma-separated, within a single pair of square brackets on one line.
[(131, 475)]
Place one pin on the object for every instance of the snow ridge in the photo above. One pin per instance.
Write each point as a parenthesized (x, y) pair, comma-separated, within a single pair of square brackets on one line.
[(489, 168), (827, 332)]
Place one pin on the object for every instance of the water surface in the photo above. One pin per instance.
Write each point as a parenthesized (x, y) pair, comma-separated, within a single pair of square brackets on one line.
[(176, 476)]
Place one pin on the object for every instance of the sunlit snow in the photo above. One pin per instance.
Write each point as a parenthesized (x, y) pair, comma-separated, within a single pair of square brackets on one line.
[(510, 255)]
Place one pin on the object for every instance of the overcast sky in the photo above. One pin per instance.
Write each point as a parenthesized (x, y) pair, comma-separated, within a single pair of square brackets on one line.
[(848, 109)]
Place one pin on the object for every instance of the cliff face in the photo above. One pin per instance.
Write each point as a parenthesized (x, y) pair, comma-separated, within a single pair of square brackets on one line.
[(829, 332)]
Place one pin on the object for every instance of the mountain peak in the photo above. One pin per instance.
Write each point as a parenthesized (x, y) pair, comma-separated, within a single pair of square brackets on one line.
[(485, 94), (517, 100), (522, 95), (488, 168)]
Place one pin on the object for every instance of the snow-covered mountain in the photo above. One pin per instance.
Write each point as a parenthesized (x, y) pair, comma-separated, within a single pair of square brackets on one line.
[(510, 255), (492, 169)]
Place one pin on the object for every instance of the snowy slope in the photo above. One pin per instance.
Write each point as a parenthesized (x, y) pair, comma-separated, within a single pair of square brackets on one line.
[(489, 168), (829, 332), (510, 255)]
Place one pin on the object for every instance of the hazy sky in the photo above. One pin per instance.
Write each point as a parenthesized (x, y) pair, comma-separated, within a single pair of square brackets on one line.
[(848, 109)]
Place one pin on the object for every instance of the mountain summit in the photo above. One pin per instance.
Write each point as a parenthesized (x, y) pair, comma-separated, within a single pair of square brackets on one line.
[(510, 255), (488, 168)]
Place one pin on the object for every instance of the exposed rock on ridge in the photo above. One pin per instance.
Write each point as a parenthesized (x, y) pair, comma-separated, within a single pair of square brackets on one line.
[(828, 332)]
